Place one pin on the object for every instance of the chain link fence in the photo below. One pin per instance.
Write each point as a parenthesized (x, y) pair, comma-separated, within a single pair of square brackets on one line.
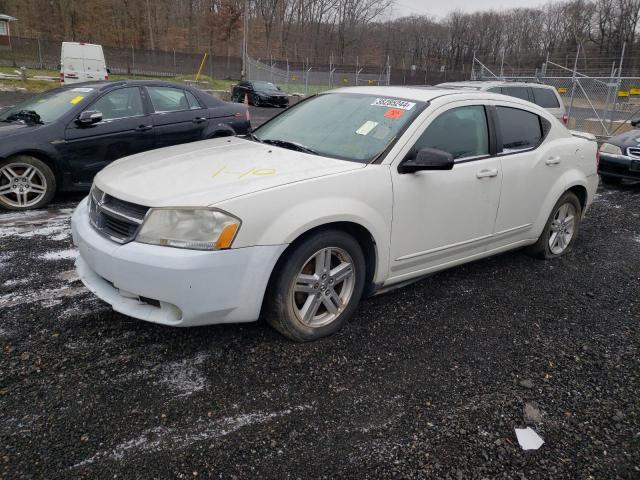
[(44, 54), (601, 105)]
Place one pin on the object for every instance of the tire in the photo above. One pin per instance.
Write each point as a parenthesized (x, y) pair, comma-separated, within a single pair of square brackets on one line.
[(607, 180), (547, 247), (305, 266), (26, 183), (255, 100)]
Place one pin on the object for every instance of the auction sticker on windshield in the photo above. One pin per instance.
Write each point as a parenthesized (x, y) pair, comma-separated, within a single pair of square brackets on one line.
[(393, 103)]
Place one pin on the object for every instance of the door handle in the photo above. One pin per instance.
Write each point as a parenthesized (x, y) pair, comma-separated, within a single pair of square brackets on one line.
[(487, 173), (552, 161), (144, 128), (199, 120)]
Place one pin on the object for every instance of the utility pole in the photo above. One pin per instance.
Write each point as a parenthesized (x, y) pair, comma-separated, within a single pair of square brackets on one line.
[(245, 32)]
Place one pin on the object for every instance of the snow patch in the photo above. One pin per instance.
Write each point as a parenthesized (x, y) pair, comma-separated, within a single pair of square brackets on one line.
[(18, 298), (183, 376), (42, 223), (166, 438), (70, 254)]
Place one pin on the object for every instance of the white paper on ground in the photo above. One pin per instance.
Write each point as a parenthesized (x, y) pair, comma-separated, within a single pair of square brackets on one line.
[(528, 439)]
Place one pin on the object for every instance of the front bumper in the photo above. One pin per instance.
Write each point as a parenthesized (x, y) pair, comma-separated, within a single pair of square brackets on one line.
[(173, 286), (618, 166), (275, 101)]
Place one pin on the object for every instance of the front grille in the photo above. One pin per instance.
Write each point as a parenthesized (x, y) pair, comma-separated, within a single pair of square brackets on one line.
[(114, 218), (634, 152)]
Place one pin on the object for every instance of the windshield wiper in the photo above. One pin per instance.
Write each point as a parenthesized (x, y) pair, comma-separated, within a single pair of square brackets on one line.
[(253, 137), (290, 146), (28, 116)]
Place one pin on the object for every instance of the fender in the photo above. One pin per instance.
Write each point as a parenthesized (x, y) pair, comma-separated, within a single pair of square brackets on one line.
[(281, 215), (218, 130), (568, 179)]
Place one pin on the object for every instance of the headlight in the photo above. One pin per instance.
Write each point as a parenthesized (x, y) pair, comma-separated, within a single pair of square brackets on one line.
[(609, 148), (193, 228)]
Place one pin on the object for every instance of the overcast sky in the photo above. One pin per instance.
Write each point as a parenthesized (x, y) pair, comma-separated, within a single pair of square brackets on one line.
[(440, 8)]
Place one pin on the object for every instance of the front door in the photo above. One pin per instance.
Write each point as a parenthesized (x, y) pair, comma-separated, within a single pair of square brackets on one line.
[(125, 129), (440, 217)]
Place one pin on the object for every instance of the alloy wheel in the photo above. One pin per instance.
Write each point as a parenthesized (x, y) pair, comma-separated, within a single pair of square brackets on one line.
[(22, 185), (323, 287), (562, 228)]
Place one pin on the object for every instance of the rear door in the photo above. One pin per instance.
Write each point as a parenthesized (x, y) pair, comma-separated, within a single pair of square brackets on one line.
[(126, 128), (530, 167), (178, 116), (72, 63)]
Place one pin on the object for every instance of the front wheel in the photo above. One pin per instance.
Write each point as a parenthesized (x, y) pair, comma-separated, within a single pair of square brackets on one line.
[(561, 229), (317, 286), (25, 183)]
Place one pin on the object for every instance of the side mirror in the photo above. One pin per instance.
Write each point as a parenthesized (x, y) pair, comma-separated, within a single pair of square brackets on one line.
[(427, 159), (89, 117), (635, 123)]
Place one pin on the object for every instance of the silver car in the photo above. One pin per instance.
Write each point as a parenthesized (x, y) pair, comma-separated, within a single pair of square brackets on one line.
[(544, 96)]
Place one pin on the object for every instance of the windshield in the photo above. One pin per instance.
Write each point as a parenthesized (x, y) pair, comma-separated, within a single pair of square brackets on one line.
[(264, 86), (348, 126), (49, 106)]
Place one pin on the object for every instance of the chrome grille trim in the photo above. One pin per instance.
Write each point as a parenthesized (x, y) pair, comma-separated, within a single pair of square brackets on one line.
[(633, 152), (113, 218)]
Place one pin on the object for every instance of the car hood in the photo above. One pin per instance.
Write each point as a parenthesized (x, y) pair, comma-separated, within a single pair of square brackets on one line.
[(211, 171), (627, 139)]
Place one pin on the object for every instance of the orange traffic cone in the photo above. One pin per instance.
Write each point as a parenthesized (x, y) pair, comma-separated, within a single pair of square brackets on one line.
[(246, 104)]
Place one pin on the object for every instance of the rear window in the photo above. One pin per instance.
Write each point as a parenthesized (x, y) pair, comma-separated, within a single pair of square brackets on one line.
[(520, 129), (546, 98), (518, 92)]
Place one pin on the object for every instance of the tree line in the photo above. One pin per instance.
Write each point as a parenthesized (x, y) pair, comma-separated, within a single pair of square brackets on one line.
[(338, 31)]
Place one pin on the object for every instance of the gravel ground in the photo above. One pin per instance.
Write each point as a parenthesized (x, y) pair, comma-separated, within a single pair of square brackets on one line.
[(425, 382)]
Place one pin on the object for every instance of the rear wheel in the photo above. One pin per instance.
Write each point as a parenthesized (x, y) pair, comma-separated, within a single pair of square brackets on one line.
[(318, 286), (25, 183), (561, 230), (255, 100)]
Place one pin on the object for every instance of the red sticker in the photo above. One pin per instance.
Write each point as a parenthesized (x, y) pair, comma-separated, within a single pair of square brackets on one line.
[(394, 113)]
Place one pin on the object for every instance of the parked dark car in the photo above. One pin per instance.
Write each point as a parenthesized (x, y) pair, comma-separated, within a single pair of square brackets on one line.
[(620, 156), (260, 94), (60, 139)]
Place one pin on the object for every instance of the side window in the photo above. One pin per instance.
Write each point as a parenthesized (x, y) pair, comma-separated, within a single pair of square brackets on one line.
[(520, 129), (545, 97), (121, 103), (518, 92), (167, 99), (495, 90), (460, 131), (194, 104)]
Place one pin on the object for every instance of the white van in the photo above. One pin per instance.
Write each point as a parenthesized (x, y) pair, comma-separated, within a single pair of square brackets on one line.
[(82, 62)]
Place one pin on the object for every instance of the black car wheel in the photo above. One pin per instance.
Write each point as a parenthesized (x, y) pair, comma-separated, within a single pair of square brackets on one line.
[(25, 183), (255, 100)]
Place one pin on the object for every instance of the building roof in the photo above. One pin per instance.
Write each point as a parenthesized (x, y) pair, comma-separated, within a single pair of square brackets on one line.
[(7, 18)]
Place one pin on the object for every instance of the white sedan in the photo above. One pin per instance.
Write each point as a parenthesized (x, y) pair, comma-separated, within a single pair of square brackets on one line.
[(346, 194)]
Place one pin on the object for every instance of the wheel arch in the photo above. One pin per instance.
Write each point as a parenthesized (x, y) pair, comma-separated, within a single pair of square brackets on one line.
[(362, 235), (44, 157)]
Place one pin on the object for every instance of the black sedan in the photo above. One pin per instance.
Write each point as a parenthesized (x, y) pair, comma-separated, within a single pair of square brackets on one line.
[(59, 140), (260, 94), (620, 157)]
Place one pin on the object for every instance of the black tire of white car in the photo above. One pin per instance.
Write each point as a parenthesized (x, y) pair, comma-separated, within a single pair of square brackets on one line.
[(37, 185), (542, 249), (283, 302)]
